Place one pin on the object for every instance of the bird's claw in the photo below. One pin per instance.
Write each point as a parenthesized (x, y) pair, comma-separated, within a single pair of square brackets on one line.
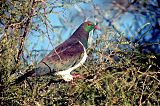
[(77, 76)]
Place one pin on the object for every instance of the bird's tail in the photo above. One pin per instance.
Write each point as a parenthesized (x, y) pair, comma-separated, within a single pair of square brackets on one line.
[(23, 77), (18, 80)]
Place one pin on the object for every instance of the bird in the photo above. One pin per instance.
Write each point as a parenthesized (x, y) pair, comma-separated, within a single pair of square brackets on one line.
[(64, 58)]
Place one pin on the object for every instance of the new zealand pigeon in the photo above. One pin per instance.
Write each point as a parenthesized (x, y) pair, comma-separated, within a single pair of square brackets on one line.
[(64, 58)]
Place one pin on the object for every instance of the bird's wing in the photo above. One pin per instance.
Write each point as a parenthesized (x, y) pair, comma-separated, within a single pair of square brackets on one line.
[(64, 56)]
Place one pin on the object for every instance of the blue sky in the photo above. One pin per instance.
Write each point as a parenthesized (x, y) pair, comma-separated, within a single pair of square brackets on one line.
[(71, 15)]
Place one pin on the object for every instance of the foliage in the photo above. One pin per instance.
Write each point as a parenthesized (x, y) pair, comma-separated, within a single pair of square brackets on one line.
[(116, 72)]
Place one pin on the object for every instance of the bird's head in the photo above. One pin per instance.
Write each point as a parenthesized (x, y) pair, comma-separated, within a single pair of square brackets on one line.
[(88, 26)]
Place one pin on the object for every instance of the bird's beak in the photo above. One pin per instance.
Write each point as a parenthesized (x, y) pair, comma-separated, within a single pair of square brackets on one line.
[(96, 27)]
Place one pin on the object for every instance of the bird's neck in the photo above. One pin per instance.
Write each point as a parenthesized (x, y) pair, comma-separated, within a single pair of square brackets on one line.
[(82, 36)]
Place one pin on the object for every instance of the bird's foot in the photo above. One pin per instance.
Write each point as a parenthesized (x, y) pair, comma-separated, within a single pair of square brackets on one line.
[(75, 76)]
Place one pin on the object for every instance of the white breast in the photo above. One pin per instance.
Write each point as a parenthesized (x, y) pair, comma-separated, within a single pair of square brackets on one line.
[(66, 73)]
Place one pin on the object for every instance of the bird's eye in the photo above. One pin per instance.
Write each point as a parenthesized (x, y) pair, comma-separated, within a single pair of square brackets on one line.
[(89, 24)]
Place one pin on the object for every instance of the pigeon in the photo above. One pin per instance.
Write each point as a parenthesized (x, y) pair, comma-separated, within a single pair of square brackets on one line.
[(64, 58)]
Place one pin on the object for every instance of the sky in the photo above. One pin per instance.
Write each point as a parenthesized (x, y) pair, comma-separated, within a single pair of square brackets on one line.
[(63, 21)]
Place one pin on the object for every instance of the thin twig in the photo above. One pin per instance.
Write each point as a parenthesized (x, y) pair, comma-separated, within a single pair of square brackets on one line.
[(140, 101), (47, 30), (25, 32)]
